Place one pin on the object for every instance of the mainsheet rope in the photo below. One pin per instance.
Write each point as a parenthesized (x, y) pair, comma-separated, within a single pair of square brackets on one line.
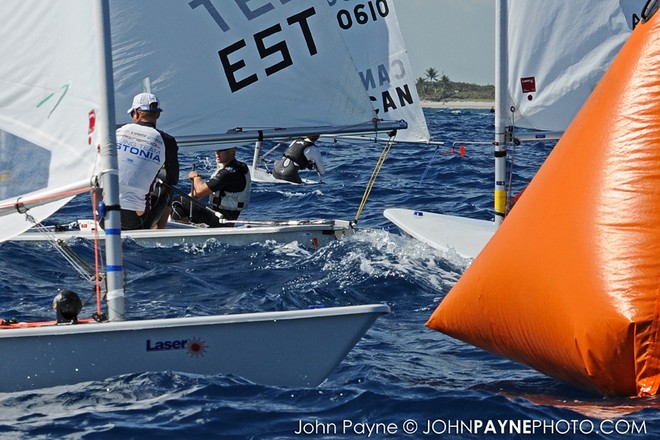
[(374, 174)]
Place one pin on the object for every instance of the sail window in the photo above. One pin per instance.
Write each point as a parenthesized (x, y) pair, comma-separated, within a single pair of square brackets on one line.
[(17, 175)]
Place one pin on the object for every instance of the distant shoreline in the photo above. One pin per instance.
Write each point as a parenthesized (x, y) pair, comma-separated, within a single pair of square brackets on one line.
[(458, 104)]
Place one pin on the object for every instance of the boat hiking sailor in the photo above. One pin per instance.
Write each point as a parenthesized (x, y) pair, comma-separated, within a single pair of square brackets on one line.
[(301, 154), (228, 190), (142, 151)]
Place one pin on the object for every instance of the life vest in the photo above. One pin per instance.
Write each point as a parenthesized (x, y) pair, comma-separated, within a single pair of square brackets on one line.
[(232, 201)]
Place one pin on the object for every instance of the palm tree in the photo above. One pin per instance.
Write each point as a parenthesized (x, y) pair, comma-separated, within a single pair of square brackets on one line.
[(431, 74)]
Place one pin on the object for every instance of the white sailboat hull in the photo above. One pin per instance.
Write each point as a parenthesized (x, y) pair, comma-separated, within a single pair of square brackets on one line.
[(291, 348), (465, 236), (309, 233)]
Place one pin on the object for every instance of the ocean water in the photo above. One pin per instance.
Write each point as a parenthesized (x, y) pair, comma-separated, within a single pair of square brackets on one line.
[(401, 381)]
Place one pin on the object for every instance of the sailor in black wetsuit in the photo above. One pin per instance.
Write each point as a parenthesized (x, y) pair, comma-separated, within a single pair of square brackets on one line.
[(301, 154), (228, 190)]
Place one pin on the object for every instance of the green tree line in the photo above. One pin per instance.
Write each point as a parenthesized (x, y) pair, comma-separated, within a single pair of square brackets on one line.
[(434, 88)]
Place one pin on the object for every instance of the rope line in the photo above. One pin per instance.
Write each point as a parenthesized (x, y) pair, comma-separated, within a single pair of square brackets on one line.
[(428, 166), (374, 175), (69, 255)]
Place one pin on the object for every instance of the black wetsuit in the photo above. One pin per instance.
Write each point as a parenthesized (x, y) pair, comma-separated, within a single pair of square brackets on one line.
[(230, 179), (294, 159)]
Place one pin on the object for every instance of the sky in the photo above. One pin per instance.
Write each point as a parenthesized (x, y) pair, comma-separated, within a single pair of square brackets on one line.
[(455, 37)]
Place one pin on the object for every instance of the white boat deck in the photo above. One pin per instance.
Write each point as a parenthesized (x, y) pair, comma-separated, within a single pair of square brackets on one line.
[(309, 233), (465, 236)]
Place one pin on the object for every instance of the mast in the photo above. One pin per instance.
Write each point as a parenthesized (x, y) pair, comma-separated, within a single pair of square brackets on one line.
[(501, 71), (110, 178)]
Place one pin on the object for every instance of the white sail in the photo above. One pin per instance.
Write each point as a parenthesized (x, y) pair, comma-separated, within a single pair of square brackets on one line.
[(558, 51), (49, 103), (220, 65), (371, 31)]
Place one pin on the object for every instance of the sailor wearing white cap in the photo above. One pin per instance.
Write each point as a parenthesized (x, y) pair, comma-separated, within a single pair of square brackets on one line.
[(142, 152)]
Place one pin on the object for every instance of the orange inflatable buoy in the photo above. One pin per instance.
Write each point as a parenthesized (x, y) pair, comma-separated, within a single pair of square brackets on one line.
[(570, 283)]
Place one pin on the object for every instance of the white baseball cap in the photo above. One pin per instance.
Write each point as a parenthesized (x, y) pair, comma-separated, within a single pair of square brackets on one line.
[(223, 147), (145, 102)]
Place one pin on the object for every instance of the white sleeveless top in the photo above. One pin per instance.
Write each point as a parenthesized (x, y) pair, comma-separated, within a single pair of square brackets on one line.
[(141, 153)]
